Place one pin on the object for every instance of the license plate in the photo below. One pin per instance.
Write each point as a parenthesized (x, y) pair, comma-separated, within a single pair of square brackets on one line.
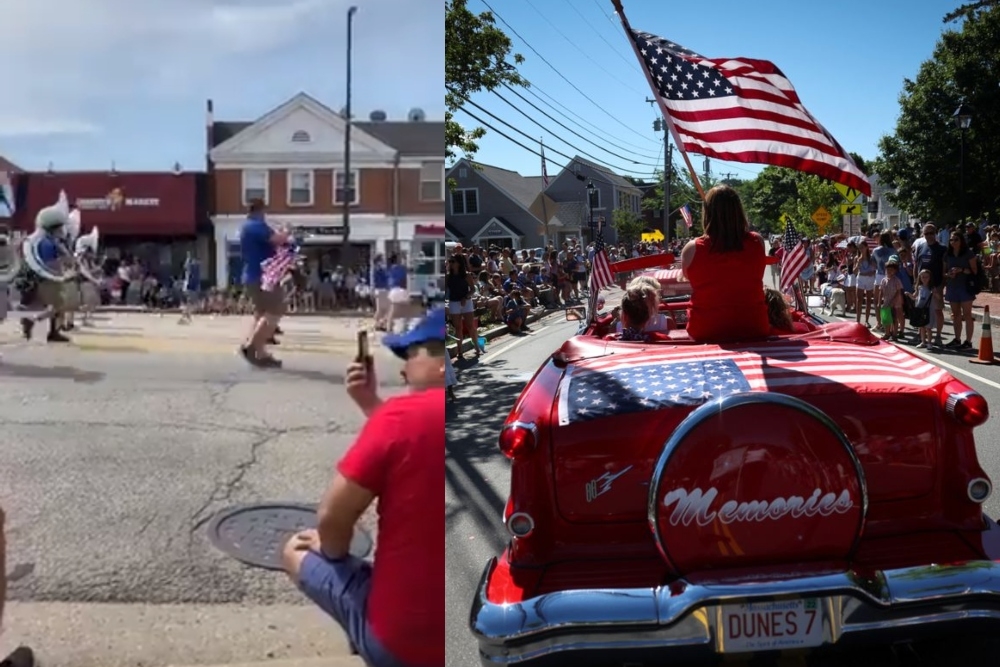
[(770, 626)]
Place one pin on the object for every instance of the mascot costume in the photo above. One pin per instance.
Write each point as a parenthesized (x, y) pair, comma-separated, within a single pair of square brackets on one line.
[(52, 267)]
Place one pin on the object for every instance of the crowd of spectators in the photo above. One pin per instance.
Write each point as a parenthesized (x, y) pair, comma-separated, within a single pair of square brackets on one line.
[(897, 281)]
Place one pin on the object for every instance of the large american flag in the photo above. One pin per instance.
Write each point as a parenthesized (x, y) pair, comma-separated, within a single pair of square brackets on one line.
[(668, 377), (600, 271), (274, 268), (795, 259), (743, 110)]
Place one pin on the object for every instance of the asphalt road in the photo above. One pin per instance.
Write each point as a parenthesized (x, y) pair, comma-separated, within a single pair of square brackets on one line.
[(114, 456), (477, 484)]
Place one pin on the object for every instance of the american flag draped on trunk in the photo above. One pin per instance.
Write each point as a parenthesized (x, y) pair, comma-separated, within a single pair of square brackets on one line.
[(670, 377), (275, 268), (796, 258), (740, 109)]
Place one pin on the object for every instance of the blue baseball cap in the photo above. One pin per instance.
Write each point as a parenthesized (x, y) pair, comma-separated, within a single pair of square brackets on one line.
[(430, 328)]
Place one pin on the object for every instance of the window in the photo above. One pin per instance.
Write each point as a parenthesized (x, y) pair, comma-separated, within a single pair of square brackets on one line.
[(465, 201), (301, 137), (255, 186), (339, 190), (300, 187), (432, 181)]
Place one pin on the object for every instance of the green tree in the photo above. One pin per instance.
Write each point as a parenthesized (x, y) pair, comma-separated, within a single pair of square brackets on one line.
[(627, 225), (921, 158), (969, 10), (682, 191), (813, 192), (476, 54), (769, 195)]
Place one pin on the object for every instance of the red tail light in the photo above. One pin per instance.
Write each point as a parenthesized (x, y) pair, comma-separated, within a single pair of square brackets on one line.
[(517, 439), (966, 406)]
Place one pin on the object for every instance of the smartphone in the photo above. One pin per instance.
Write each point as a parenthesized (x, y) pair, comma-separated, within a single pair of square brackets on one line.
[(364, 354)]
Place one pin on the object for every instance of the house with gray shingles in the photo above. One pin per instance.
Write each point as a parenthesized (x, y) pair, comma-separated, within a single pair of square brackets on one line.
[(569, 190), (885, 214), (493, 206)]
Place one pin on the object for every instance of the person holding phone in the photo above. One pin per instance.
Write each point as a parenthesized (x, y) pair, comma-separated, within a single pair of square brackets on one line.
[(392, 609)]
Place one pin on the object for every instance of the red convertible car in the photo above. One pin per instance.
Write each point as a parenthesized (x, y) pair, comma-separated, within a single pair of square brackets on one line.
[(674, 500)]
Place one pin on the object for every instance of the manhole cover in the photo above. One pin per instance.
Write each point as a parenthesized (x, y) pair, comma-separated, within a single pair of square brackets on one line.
[(255, 534)]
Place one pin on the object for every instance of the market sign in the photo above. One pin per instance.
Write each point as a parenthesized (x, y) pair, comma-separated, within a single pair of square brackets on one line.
[(114, 201), (319, 231)]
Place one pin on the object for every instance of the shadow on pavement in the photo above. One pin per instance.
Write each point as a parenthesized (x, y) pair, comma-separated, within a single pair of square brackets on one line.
[(473, 423), (50, 372)]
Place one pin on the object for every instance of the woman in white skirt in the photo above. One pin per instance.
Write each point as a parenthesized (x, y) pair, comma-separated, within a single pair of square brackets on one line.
[(866, 267)]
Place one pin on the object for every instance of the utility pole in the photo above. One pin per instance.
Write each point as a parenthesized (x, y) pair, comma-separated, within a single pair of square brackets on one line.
[(668, 152), (708, 169)]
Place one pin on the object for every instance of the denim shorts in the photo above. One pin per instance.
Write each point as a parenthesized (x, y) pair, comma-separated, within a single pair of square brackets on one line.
[(340, 587)]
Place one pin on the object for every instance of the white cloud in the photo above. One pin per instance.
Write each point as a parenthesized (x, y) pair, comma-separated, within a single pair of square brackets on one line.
[(74, 58)]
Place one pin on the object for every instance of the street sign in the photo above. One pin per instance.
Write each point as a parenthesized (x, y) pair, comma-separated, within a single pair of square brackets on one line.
[(848, 193), (821, 217), (851, 209)]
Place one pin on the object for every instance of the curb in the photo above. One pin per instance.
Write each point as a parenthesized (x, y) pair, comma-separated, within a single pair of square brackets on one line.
[(495, 332), (141, 310)]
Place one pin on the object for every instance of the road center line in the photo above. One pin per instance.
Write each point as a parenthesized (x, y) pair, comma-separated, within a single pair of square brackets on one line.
[(514, 342)]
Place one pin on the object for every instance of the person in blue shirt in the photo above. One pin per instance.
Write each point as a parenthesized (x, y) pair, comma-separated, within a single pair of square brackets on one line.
[(192, 286), (48, 252), (380, 283), (398, 293), (258, 243)]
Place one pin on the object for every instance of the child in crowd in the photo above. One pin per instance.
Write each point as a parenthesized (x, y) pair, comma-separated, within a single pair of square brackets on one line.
[(515, 312), (923, 316), (891, 296)]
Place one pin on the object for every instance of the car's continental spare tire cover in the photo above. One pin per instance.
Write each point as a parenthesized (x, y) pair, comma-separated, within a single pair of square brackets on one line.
[(756, 479)]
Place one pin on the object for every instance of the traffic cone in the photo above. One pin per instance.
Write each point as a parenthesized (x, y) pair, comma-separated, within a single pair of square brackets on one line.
[(985, 342)]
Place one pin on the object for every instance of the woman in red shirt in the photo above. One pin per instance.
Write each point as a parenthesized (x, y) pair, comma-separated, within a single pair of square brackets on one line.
[(725, 267)]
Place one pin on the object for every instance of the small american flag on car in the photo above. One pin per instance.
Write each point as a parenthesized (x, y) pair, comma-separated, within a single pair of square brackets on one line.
[(686, 214), (275, 268), (668, 377)]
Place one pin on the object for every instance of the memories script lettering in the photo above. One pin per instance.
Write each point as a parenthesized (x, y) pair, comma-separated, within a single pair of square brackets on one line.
[(701, 507)]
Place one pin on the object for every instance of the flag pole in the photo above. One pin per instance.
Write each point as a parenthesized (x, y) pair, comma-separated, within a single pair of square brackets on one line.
[(545, 214), (656, 94)]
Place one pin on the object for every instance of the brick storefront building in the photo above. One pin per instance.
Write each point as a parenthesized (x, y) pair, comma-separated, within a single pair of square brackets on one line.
[(293, 158)]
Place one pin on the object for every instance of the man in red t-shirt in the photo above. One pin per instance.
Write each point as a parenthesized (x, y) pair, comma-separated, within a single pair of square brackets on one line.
[(392, 610)]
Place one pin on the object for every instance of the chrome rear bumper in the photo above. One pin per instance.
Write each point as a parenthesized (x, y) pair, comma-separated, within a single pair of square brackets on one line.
[(679, 621)]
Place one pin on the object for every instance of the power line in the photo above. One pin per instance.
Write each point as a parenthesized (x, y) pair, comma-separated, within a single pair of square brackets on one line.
[(576, 46), (556, 70), (617, 51), (525, 134), (535, 90), (565, 127)]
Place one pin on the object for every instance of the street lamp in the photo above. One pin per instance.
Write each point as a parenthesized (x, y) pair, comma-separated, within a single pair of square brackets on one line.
[(348, 190), (963, 119), (591, 193)]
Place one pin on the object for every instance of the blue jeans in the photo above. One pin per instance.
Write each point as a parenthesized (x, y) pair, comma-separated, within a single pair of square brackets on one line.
[(340, 587)]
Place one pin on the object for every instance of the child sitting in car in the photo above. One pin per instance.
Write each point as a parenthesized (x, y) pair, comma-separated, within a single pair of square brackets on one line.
[(634, 315), (780, 316)]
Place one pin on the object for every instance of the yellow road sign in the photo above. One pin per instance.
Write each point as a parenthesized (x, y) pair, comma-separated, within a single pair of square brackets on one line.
[(848, 193), (821, 217), (784, 218), (851, 209)]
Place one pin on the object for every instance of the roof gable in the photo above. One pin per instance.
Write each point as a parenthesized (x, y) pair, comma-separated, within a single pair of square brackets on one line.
[(522, 191), (302, 125)]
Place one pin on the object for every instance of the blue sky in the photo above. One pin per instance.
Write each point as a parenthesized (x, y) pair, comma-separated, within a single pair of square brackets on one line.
[(91, 83), (847, 61)]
